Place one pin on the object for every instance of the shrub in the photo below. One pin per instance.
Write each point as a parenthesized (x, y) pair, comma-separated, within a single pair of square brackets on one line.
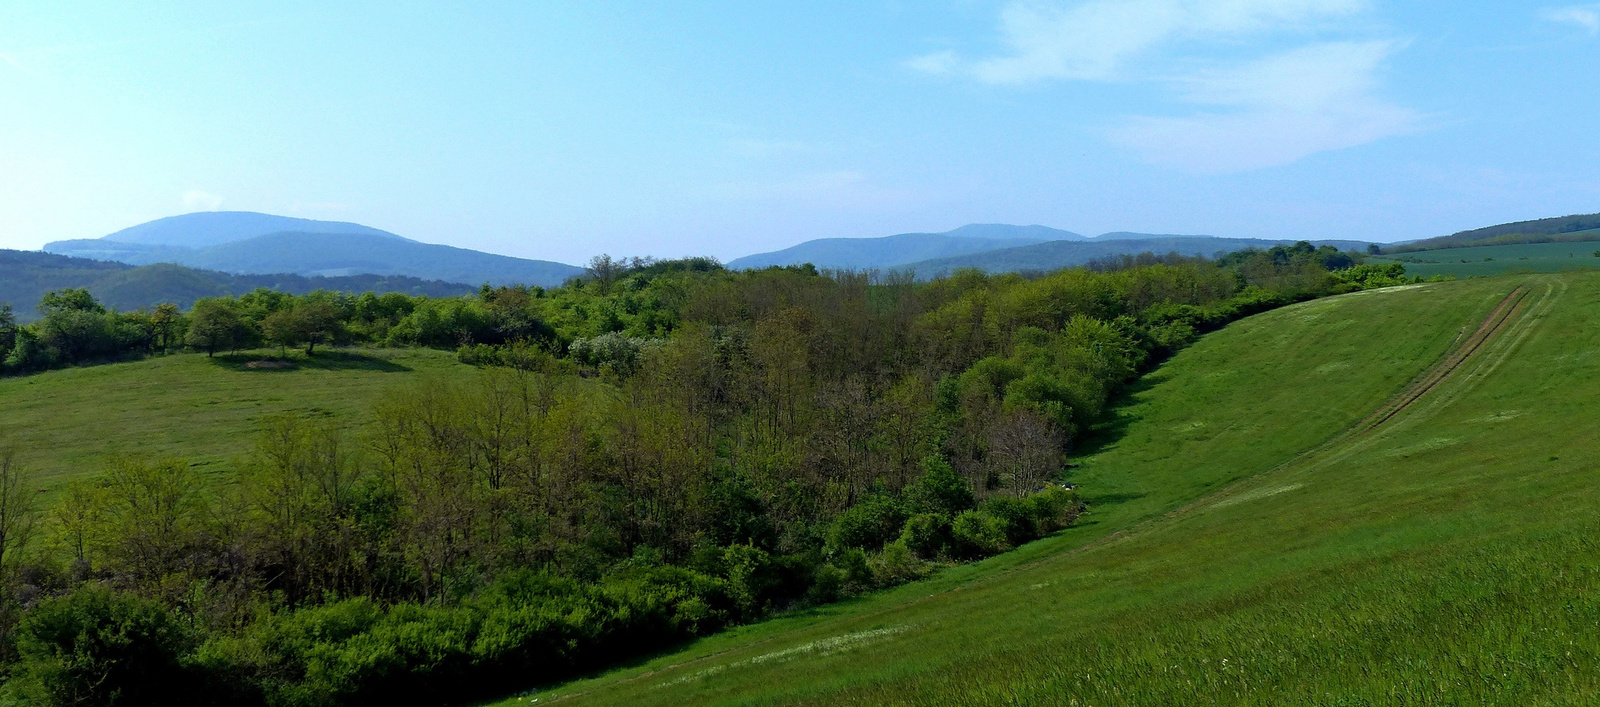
[(620, 352), (926, 534), (975, 535), (1052, 509), (98, 647), (749, 578), (940, 489), (1013, 519), (827, 585), (897, 565), (868, 524), (857, 571)]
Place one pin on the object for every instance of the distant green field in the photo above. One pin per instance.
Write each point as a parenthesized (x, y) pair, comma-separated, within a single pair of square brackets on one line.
[(1501, 259), (208, 411), (1246, 546)]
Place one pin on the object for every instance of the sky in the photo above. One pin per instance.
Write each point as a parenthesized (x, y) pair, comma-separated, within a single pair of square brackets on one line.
[(560, 130)]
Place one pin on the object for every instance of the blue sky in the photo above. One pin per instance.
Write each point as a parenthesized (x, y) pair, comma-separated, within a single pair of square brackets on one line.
[(560, 130)]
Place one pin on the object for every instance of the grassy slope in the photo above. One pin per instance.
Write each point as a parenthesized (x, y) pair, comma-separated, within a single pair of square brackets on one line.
[(1447, 557), (206, 410), (1529, 257)]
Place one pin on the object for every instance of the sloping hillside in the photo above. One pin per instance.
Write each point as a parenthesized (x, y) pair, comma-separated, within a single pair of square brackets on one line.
[(25, 276), (1580, 227), (251, 243), (1062, 254), (1381, 498), (891, 251), (866, 253), (70, 422), (207, 228), (1479, 261), (348, 254)]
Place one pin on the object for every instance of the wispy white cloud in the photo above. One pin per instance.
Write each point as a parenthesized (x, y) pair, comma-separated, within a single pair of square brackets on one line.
[(1275, 111), (1095, 40), (1586, 17), (944, 62), (196, 200), (1260, 113)]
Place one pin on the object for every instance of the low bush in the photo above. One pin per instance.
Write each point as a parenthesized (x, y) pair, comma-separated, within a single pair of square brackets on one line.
[(926, 534), (96, 646), (976, 535), (869, 524)]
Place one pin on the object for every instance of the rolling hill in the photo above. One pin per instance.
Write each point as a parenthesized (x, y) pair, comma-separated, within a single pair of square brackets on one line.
[(1561, 229), (70, 421), (890, 251), (997, 248), (26, 275), (1380, 498), (1479, 261), (251, 243), (1060, 254), (208, 228)]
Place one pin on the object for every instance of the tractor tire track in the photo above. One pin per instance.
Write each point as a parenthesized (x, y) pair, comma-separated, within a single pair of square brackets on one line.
[(1513, 304)]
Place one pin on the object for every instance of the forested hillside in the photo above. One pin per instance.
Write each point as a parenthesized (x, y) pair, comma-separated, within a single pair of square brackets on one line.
[(654, 452), (1051, 255), (25, 277), (1381, 498), (1561, 229)]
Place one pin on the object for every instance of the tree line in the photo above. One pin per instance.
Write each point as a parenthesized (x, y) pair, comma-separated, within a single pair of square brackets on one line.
[(650, 453)]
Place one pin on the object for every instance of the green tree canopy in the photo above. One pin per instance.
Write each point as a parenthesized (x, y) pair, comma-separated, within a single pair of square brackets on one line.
[(213, 324)]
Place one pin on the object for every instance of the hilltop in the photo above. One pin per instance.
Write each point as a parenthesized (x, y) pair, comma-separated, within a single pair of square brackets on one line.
[(997, 248), (257, 244), (890, 251), (1561, 229), (1061, 254), (70, 422), (25, 276)]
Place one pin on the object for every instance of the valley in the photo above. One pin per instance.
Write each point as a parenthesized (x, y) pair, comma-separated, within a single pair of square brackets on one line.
[(1250, 540)]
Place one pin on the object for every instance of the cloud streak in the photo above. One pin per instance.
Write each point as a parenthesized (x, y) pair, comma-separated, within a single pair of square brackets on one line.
[(1585, 17), (1096, 40), (1275, 111), (196, 200), (1261, 113)]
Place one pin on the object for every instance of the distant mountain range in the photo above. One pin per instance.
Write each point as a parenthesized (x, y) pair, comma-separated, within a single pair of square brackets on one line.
[(995, 247), (26, 275), (242, 242), (1052, 255), (1580, 227), (223, 252), (889, 251)]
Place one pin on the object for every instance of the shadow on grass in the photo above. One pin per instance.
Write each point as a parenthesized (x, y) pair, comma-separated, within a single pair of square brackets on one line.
[(1111, 499), (325, 360), (1105, 434), (640, 657)]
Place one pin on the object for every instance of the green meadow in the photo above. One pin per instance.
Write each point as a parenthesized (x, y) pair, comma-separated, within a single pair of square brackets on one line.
[(1253, 538), (1480, 261), (206, 410)]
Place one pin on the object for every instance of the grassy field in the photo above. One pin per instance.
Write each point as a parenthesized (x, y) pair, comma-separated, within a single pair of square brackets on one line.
[(1247, 546), (1500, 259), (205, 410)]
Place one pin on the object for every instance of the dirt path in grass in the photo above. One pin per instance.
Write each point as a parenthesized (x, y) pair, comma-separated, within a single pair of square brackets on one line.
[(1513, 305)]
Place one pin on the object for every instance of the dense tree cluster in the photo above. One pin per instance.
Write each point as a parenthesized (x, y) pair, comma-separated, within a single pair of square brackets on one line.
[(650, 453)]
